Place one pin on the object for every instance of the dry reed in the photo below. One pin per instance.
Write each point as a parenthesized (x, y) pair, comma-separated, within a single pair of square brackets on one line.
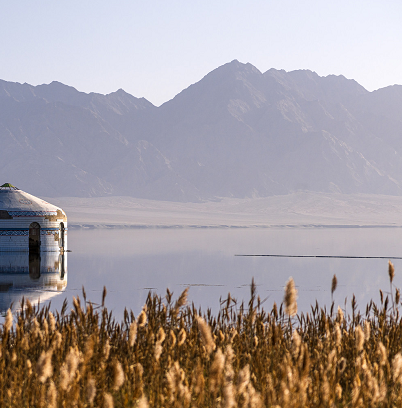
[(174, 356)]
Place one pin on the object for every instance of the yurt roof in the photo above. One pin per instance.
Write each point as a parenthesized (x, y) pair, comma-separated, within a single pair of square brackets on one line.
[(14, 199)]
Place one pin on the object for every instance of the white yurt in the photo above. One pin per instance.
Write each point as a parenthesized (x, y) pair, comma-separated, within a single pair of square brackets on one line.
[(28, 223)]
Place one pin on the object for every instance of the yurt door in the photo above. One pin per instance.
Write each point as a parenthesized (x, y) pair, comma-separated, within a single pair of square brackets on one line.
[(34, 237), (61, 242)]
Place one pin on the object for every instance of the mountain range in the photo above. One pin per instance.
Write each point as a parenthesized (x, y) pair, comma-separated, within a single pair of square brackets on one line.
[(237, 132)]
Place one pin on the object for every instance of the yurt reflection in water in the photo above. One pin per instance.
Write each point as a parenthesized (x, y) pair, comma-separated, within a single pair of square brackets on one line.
[(33, 276)]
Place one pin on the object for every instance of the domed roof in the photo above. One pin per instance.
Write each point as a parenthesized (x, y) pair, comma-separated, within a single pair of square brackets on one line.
[(13, 199)]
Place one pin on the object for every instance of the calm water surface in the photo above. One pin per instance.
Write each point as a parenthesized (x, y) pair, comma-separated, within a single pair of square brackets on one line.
[(132, 262)]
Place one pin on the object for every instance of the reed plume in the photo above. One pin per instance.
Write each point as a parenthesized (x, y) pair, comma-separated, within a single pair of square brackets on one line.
[(391, 274), (44, 367), (338, 392), (391, 271), (216, 370), (243, 379), (206, 335), (106, 349), (132, 334), (334, 285), (367, 330), (359, 338), (91, 390), (8, 322), (296, 343), (52, 322), (338, 334), (172, 338), (160, 338), (382, 353), (340, 316), (182, 337), (290, 298), (118, 375), (69, 368), (229, 400), (52, 395), (108, 401), (397, 368), (182, 300), (142, 319), (143, 402)]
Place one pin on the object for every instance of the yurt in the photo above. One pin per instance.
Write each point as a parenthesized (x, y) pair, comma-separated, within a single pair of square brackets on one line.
[(28, 223)]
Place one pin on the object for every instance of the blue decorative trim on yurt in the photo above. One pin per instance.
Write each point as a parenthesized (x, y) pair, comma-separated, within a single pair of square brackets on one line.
[(14, 229), (48, 231), (25, 231), (14, 232), (14, 269), (31, 213)]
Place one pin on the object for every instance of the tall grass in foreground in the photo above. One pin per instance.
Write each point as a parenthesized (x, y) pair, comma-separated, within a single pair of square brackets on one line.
[(173, 356)]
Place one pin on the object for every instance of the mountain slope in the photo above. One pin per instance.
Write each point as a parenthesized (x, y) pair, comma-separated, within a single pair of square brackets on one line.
[(237, 132)]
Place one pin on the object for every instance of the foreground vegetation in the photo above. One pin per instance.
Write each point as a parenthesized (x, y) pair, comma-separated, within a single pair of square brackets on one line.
[(172, 356)]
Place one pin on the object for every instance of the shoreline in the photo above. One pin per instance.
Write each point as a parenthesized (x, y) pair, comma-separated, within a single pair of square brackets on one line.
[(297, 210)]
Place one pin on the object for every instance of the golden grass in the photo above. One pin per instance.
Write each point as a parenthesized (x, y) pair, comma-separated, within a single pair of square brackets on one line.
[(172, 355)]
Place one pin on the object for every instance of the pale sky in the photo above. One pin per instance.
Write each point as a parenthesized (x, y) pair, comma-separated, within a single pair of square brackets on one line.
[(156, 48)]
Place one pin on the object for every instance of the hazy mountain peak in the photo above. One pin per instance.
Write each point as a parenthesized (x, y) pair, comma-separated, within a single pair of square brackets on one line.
[(231, 88), (16, 91), (120, 91), (58, 92), (237, 67), (57, 84), (229, 71), (129, 101), (310, 86)]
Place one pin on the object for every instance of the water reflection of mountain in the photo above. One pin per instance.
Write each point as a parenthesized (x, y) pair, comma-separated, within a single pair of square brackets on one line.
[(36, 277)]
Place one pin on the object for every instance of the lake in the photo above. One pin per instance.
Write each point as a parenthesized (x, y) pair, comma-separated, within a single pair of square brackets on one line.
[(131, 262)]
